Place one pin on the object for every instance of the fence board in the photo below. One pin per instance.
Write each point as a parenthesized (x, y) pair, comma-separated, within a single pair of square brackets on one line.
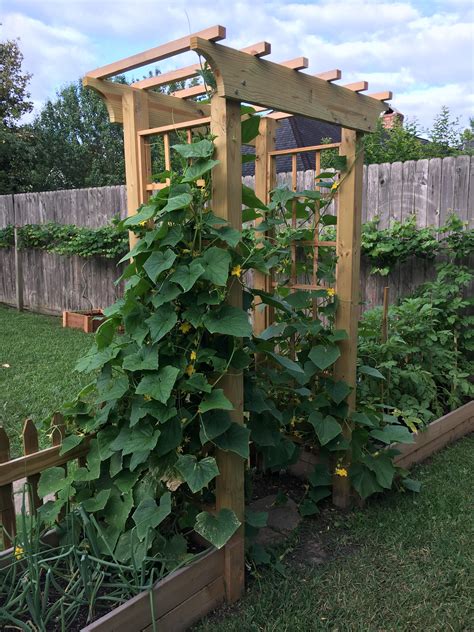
[(420, 190), (447, 189), (396, 191), (7, 212), (433, 192), (393, 191), (383, 196), (470, 200), (461, 186), (372, 191)]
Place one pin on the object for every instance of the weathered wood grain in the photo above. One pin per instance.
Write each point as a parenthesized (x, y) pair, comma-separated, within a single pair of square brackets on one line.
[(53, 283)]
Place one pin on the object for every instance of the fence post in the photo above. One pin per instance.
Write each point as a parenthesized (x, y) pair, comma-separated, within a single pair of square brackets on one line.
[(7, 506), (18, 272)]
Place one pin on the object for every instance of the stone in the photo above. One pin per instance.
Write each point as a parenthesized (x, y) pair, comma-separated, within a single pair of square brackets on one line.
[(283, 519)]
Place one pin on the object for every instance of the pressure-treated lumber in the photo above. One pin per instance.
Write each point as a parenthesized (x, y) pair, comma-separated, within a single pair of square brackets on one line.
[(260, 49), (137, 163), (227, 203), (436, 435), (163, 109), (192, 609), (358, 86), (348, 282), (244, 78), (194, 91), (36, 462), (168, 595), (302, 150), (330, 75), (181, 45), (265, 180), (381, 96)]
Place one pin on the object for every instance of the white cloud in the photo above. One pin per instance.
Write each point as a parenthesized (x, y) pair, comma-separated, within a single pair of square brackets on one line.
[(419, 49), (54, 55)]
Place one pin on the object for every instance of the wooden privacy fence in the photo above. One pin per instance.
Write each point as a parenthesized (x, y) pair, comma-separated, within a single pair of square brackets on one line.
[(27, 468), (52, 283)]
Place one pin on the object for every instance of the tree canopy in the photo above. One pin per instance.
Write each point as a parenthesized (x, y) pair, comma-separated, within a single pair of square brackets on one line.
[(72, 144)]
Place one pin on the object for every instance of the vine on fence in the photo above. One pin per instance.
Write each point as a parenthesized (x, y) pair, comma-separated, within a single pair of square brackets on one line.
[(67, 239), (383, 248), (157, 411)]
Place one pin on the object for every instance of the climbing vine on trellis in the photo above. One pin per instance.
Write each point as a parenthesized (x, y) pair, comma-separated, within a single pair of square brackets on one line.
[(157, 412)]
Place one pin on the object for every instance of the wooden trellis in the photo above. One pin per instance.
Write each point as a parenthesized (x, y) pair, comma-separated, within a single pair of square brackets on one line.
[(279, 90)]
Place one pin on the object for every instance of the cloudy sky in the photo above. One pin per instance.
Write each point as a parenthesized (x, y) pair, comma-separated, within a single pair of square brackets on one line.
[(422, 50)]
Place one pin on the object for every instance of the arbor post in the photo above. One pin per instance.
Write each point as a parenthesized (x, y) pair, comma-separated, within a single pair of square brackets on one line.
[(227, 203), (348, 286)]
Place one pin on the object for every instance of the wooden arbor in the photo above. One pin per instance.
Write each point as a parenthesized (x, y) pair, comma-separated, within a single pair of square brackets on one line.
[(280, 91)]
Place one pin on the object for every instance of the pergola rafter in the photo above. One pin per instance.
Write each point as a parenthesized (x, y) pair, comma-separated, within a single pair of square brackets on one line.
[(277, 91)]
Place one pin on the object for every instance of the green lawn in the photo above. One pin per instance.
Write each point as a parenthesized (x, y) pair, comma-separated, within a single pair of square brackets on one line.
[(404, 563), (41, 356)]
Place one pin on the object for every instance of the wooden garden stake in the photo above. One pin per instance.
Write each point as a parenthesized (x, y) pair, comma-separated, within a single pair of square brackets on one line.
[(385, 314), (30, 445), (18, 272), (348, 286), (227, 203)]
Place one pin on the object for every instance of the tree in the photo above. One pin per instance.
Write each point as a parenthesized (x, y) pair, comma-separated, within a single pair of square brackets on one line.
[(76, 145), (444, 136), (400, 142), (467, 138), (16, 154), (14, 96), (410, 142)]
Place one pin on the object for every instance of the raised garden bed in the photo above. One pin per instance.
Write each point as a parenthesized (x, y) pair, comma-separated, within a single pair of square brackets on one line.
[(438, 434), (88, 321), (175, 603)]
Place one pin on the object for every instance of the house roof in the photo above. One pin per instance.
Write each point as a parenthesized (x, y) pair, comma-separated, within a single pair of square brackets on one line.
[(297, 131)]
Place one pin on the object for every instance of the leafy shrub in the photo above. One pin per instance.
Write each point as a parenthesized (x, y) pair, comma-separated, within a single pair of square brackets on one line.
[(426, 358), (67, 239)]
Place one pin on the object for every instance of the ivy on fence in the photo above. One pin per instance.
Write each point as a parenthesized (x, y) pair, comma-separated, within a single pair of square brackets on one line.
[(382, 247), (67, 239)]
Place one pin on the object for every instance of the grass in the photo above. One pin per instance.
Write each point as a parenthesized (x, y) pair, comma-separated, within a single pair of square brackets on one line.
[(407, 564), (41, 356)]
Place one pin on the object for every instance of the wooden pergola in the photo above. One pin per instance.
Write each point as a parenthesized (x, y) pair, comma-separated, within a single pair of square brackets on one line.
[(280, 90)]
